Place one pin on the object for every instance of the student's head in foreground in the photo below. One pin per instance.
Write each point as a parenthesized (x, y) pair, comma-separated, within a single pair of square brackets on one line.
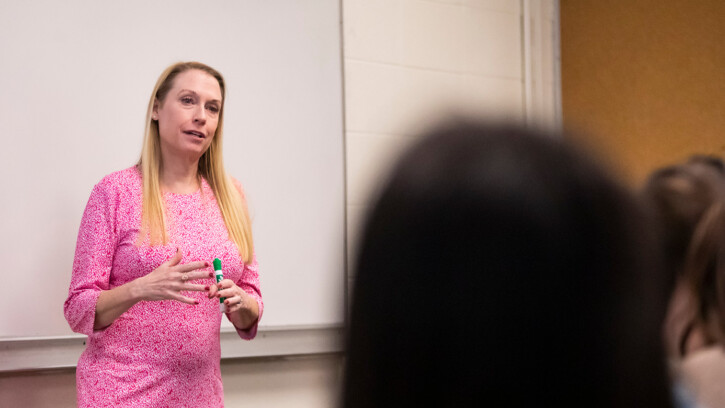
[(502, 266)]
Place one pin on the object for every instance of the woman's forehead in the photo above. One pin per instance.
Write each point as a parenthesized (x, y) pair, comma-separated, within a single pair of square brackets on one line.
[(199, 82)]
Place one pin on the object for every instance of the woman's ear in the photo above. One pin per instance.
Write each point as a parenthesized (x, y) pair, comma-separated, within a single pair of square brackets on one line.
[(155, 111)]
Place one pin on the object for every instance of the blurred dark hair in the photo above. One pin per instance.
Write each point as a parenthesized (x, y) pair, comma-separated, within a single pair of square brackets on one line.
[(500, 264), (688, 200)]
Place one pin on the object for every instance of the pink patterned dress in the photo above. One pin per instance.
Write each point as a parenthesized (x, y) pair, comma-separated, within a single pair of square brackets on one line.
[(158, 353)]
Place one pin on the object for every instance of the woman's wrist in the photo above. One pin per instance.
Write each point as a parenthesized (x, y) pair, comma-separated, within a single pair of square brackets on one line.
[(112, 303), (245, 317), (135, 290)]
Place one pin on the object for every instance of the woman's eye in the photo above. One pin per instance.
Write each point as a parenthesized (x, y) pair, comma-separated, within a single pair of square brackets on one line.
[(187, 100), (213, 109)]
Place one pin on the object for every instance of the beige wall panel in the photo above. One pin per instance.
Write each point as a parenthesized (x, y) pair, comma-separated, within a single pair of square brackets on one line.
[(644, 79)]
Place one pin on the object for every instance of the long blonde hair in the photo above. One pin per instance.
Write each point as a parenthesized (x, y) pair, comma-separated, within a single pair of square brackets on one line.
[(232, 204)]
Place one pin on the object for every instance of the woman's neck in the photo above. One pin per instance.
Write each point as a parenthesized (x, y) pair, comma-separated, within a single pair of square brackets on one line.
[(179, 177)]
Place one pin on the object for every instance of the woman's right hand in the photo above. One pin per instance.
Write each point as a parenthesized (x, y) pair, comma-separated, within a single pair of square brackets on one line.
[(171, 278)]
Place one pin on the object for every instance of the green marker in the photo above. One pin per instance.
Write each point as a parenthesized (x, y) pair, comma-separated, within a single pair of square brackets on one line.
[(219, 276)]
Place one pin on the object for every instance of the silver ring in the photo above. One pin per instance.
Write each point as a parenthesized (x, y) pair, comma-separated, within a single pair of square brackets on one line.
[(184, 277)]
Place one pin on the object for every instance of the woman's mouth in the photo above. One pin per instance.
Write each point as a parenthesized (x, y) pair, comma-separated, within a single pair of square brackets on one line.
[(195, 133)]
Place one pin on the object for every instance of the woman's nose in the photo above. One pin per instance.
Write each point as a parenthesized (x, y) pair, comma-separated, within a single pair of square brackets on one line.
[(200, 115)]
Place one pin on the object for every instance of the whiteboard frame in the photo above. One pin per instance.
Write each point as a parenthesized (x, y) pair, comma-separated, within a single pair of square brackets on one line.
[(40, 353), (303, 334)]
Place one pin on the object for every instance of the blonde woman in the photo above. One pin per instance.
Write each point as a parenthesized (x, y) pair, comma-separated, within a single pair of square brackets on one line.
[(142, 287)]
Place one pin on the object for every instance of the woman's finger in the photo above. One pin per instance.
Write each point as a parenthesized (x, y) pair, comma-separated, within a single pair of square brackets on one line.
[(212, 291), (226, 284), (192, 266), (175, 259), (199, 275), (227, 293), (233, 303), (184, 299), (193, 287)]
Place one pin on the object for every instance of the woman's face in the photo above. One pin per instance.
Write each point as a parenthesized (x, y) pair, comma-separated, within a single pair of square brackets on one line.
[(189, 114)]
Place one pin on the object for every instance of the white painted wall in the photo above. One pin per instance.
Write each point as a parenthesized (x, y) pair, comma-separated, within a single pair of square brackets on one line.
[(405, 63), (408, 63)]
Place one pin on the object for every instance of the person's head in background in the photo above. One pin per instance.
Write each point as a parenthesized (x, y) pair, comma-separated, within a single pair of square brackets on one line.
[(689, 202), (500, 265)]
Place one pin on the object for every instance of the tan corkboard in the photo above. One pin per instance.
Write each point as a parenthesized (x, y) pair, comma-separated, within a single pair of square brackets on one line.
[(644, 80)]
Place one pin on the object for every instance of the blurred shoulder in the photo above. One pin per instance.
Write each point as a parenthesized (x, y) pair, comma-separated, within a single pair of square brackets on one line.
[(237, 185)]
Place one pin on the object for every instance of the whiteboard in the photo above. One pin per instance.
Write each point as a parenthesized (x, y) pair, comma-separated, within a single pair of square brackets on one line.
[(75, 78)]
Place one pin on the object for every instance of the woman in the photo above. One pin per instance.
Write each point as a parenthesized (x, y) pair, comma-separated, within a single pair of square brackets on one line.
[(689, 201), (500, 266), (142, 287)]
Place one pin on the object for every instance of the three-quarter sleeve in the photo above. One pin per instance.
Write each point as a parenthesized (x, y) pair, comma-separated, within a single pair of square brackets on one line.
[(249, 282), (249, 279), (93, 260)]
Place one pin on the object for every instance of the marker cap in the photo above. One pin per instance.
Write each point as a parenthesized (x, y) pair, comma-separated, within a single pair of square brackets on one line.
[(217, 264)]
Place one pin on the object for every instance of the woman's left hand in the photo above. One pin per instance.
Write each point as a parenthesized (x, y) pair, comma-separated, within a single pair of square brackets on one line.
[(242, 308), (235, 297)]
